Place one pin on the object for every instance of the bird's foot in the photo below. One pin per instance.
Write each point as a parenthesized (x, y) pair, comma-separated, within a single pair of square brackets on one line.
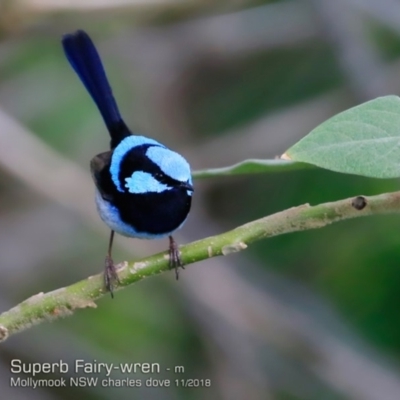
[(110, 275), (174, 257)]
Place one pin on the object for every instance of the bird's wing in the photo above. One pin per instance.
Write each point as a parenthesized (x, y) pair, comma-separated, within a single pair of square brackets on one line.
[(100, 169)]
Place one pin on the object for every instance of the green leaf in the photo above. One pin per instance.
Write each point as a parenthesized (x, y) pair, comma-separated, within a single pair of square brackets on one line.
[(364, 140), (251, 167)]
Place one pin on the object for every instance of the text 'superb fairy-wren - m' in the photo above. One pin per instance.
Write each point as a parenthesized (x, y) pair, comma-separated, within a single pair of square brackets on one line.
[(143, 189)]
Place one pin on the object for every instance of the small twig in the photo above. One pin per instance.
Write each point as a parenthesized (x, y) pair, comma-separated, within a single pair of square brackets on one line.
[(65, 301)]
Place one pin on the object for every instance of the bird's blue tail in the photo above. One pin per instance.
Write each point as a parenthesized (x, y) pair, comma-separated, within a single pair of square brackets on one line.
[(85, 60)]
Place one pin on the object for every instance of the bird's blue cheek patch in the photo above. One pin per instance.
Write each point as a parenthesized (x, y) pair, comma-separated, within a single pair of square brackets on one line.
[(171, 163), (121, 150), (143, 182)]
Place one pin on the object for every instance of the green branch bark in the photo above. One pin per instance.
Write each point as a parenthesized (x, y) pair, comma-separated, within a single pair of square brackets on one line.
[(63, 302)]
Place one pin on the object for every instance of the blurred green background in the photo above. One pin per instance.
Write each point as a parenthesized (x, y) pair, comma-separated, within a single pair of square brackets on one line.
[(310, 315)]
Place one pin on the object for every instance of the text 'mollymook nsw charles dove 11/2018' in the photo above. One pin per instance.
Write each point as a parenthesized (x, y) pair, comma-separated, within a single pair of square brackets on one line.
[(143, 189)]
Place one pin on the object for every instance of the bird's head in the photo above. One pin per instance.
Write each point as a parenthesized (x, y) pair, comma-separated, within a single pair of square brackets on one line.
[(140, 165)]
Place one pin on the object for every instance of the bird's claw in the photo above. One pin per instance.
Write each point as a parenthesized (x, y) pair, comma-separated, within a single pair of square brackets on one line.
[(110, 275), (175, 260)]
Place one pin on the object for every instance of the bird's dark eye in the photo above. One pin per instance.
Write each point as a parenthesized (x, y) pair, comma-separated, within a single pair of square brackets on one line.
[(161, 178)]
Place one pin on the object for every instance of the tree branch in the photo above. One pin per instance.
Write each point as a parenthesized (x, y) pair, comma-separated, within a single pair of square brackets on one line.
[(63, 302)]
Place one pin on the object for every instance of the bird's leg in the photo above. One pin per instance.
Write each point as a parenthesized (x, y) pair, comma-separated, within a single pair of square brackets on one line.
[(110, 273), (174, 257)]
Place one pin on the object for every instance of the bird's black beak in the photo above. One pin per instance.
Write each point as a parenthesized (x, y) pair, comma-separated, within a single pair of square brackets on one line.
[(187, 186)]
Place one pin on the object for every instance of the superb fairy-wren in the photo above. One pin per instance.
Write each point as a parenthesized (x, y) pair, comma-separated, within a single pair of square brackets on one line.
[(143, 189)]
